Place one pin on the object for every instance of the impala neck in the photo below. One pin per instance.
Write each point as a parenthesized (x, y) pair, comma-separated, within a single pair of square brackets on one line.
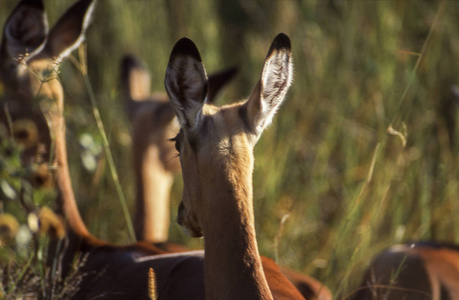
[(233, 268), (153, 190), (66, 197)]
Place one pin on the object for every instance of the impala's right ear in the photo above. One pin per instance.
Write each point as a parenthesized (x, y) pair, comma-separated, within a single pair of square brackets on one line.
[(186, 83), (275, 81), (25, 30)]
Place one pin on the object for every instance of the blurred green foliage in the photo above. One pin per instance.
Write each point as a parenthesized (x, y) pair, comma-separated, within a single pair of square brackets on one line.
[(350, 187)]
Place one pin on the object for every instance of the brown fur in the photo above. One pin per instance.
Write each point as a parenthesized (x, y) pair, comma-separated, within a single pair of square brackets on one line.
[(427, 271), (155, 161), (215, 146)]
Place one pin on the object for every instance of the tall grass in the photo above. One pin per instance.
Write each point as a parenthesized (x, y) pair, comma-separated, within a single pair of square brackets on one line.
[(350, 187)]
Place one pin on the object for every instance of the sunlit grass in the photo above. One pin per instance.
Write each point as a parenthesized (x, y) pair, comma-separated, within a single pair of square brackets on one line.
[(350, 187)]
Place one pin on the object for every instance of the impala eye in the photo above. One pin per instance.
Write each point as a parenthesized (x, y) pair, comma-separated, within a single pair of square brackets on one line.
[(177, 146), (176, 143)]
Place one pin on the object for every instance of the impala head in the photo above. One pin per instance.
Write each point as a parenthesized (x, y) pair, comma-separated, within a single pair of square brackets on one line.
[(216, 143), (29, 57)]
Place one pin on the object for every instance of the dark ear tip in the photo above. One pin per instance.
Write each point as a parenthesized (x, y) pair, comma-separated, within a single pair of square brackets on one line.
[(33, 3), (282, 41), (186, 47), (81, 6), (87, 3)]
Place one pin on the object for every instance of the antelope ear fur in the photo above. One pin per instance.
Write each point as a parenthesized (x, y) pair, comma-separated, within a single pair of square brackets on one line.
[(186, 83), (26, 30), (274, 83)]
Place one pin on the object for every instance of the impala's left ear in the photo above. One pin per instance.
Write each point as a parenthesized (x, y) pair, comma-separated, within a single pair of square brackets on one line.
[(186, 83), (25, 30), (276, 78)]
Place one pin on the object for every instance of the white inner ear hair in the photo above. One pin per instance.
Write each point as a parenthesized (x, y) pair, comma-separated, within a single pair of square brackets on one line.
[(276, 78), (185, 81)]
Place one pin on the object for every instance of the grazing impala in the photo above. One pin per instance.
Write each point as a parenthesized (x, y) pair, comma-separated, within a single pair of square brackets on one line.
[(29, 58), (415, 271), (215, 146), (155, 161)]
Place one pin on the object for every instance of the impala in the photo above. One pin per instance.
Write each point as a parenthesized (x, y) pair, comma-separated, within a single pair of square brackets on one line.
[(215, 146), (29, 58), (155, 161), (418, 271)]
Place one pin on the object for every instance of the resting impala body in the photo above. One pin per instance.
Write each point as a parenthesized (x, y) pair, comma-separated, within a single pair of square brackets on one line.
[(215, 145), (427, 271)]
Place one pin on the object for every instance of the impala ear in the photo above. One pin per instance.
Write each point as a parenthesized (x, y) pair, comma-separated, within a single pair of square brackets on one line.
[(218, 80), (25, 30), (186, 83), (275, 81), (68, 33)]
